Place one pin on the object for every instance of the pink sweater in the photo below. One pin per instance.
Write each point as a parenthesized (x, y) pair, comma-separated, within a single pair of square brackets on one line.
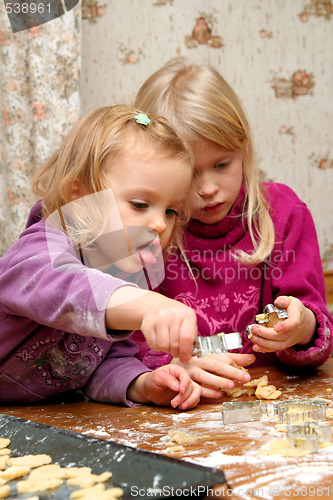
[(229, 294)]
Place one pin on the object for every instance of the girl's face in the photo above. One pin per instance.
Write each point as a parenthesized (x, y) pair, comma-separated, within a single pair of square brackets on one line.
[(217, 180), (150, 192)]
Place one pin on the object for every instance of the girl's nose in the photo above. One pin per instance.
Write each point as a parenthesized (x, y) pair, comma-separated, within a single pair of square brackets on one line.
[(158, 224), (206, 186)]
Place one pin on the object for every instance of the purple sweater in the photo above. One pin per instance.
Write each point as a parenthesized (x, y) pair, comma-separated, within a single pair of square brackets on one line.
[(229, 294), (53, 336)]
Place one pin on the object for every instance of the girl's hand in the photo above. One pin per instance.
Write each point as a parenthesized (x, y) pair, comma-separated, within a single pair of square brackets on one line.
[(167, 385), (218, 371), (170, 326), (298, 328)]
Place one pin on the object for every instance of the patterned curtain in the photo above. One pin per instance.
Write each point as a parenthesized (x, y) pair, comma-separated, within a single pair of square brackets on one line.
[(39, 101)]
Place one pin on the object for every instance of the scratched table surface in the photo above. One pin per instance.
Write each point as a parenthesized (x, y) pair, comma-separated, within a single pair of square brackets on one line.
[(234, 448)]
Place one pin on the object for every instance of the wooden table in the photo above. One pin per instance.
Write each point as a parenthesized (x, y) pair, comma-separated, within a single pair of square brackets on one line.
[(234, 448)]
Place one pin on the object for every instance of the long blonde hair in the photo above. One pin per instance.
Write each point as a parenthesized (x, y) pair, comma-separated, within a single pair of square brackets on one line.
[(80, 159), (201, 105)]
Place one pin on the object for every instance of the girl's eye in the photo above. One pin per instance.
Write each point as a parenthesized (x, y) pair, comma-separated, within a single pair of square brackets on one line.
[(139, 205), (222, 164), (170, 212)]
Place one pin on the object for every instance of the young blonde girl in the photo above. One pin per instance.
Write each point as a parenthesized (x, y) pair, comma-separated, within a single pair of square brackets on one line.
[(248, 243), (112, 200)]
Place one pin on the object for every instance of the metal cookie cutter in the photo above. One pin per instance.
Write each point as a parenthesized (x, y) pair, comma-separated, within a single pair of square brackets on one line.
[(308, 436), (300, 411), (269, 318), (216, 344), (234, 412)]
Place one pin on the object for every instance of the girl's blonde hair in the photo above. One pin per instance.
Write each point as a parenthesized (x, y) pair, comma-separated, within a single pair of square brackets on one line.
[(80, 159), (201, 105)]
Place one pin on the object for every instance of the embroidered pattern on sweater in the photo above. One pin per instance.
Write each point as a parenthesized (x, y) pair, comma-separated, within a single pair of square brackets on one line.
[(214, 311), (60, 363)]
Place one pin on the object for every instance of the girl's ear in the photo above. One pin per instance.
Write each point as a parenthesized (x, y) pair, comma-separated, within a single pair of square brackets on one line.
[(76, 190)]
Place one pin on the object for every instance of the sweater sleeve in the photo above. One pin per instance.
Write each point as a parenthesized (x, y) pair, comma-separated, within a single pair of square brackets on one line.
[(110, 381), (152, 359), (297, 271), (67, 296)]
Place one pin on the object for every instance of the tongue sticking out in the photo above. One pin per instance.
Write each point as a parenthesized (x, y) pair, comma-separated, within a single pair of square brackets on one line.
[(146, 255)]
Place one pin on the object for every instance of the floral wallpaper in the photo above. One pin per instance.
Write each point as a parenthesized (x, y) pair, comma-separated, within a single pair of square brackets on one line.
[(39, 100), (276, 54)]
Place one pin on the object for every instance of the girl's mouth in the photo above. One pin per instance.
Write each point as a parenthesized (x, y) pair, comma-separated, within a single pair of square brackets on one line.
[(212, 207), (147, 254)]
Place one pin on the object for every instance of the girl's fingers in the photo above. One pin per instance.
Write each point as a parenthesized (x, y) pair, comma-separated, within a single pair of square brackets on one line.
[(182, 376), (173, 377), (284, 326), (262, 335), (174, 334), (262, 332), (188, 331), (263, 345), (209, 393), (258, 348), (148, 330), (191, 402), (216, 366), (217, 382), (177, 400), (243, 359), (164, 379), (181, 398), (283, 301), (188, 400), (211, 380), (162, 337)]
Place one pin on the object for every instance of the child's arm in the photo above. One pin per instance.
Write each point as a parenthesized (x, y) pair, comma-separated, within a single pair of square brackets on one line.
[(218, 372), (123, 379), (168, 325), (167, 385), (297, 272), (298, 329)]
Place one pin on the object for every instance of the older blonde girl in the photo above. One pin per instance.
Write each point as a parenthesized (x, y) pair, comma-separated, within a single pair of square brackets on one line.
[(249, 243)]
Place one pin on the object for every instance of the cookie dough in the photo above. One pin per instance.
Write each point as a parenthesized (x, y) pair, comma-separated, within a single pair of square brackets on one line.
[(40, 474), (4, 443), (30, 460), (181, 437), (261, 388)]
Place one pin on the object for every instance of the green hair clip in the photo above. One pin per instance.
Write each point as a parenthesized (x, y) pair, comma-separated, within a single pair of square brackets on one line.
[(142, 118)]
